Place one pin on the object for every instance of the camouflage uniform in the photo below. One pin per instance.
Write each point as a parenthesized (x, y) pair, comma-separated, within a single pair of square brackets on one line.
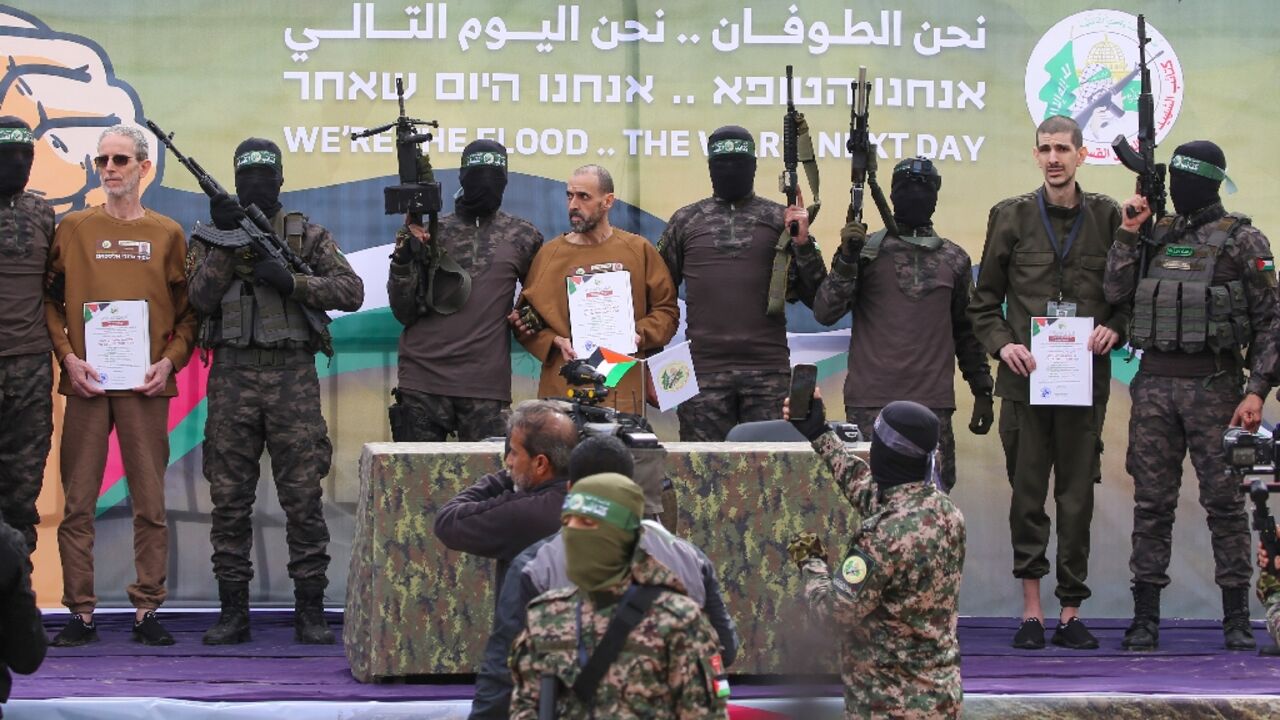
[(896, 596), (1173, 413), (267, 394), (724, 252), (919, 272), (26, 370), (669, 668), (1269, 596), (455, 370)]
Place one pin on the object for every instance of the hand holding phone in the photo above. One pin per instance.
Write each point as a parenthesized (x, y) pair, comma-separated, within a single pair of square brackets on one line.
[(804, 378)]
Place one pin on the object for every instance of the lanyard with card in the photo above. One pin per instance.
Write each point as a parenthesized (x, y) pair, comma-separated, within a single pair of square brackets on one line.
[(1060, 308)]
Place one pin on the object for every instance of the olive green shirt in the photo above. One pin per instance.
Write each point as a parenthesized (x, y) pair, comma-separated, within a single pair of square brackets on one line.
[(1019, 276)]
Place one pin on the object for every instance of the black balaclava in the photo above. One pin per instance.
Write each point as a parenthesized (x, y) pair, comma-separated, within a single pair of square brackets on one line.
[(914, 192), (1196, 172), (731, 158), (483, 176), (259, 175), (902, 443), (17, 152)]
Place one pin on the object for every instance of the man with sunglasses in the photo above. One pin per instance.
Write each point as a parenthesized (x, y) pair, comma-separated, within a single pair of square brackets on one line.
[(263, 387), (26, 374), (913, 280), (724, 249), (1044, 256), (117, 251), (1204, 310)]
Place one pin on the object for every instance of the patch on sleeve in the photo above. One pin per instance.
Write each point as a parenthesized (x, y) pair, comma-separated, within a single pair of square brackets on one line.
[(717, 678), (1266, 266), (855, 568)]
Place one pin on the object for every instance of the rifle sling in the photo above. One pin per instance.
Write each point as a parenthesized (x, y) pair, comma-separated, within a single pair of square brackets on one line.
[(631, 609), (782, 251)]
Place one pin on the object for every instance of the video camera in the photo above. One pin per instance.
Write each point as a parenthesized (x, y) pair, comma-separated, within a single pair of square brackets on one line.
[(1253, 458), (592, 419)]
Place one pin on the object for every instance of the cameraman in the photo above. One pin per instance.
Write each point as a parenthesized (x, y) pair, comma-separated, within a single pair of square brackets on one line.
[(505, 512)]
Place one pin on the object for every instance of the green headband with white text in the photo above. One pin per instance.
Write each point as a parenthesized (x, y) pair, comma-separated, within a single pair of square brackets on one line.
[(1203, 169)]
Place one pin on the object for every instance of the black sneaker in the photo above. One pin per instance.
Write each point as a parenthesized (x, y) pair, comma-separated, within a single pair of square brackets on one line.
[(150, 632), (1074, 635), (1030, 635), (76, 633)]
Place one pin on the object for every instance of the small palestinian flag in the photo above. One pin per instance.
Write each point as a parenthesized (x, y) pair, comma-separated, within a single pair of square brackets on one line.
[(719, 678), (613, 366), (1265, 264)]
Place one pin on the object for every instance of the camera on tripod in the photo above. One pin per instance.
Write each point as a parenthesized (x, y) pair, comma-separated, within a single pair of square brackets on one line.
[(592, 419), (1253, 457)]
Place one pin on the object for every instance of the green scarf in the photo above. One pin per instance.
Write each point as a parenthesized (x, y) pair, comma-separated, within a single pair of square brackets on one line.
[(601, 557)]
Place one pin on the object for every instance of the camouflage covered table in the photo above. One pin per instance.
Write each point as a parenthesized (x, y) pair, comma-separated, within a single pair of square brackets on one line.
[(415, 608)]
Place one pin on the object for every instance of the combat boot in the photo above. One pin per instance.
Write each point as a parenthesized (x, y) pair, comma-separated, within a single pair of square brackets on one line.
[(309, 626), (232, 627), (1144, 632), (1235, 619)]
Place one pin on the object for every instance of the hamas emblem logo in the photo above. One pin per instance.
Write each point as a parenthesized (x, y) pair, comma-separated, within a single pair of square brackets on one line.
[(675, 376), (1086, 67), (854, 570)]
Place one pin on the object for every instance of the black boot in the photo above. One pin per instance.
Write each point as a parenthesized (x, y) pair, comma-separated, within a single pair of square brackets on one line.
[(309, 626), (232, 627), (1144, 632), (1235, 619)]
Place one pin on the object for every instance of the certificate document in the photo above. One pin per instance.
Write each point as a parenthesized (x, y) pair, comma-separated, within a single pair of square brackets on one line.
[(1064, 365), (117, 342), (600, 313)]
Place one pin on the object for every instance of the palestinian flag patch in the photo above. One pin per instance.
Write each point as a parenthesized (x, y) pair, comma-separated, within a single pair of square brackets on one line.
[(1265, 264), (720, 679)]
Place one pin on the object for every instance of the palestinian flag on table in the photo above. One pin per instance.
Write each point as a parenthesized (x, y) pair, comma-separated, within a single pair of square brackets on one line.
[(613, 366)]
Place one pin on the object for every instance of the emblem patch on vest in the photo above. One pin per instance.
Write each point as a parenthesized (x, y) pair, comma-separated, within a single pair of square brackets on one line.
[(1179, 250)]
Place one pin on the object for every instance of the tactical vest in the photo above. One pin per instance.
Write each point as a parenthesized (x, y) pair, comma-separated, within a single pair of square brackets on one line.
[(1178, 308), (256, 315)]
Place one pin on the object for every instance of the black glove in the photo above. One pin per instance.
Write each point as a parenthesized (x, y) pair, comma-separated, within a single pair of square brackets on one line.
[(815, 424), (407, 247), (271, 272), (984, 414), (852, 237), (225, 211)]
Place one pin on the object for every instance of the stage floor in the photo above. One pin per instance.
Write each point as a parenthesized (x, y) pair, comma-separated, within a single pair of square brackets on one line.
[(1191, 669)]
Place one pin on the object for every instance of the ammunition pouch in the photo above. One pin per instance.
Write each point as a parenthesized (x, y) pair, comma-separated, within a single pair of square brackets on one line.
[(1177, 308)]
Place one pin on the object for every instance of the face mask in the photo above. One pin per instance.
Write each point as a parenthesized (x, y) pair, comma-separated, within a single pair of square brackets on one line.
[(598, 558), (733, 177), (259, 185), (732, 162), (1192, 192), (15, 167), (913, 203), (482, 189)]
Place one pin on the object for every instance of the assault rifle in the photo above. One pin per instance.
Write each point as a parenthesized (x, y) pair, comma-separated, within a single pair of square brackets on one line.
[(790, 181), (863, 156), (418, 193), (1143, 162), (258, 235)]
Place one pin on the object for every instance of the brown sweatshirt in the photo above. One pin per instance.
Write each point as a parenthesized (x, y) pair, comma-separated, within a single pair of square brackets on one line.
[(102, 258), (653, 296)]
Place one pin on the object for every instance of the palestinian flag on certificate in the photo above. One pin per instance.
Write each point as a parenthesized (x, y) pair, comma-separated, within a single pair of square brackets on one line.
[(613, 366)]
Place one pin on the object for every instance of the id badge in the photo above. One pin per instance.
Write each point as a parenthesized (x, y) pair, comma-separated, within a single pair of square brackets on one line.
[(1061, 308)]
